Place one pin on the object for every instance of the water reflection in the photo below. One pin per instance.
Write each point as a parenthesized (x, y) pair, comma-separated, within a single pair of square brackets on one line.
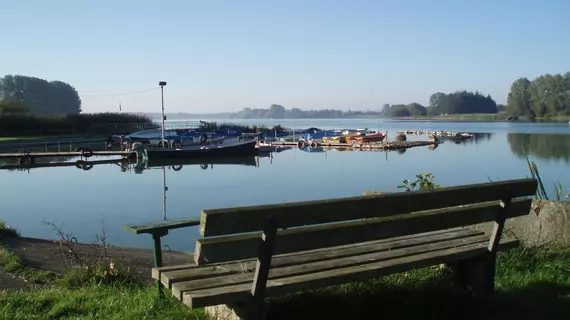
[(545, 146), (85, 165), (204, 164), (176, 165)]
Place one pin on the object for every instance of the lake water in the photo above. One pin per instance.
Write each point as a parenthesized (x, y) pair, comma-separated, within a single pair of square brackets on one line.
[(78, 200)]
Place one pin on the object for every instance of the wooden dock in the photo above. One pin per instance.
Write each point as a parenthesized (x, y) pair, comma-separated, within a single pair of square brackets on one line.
[(384, 145), (80, 164)]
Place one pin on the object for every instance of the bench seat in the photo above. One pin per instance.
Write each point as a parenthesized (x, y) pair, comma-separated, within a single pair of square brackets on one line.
[(215, 284)]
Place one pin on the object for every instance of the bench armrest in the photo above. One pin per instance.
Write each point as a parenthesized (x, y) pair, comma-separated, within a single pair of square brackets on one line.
[(161, 227)]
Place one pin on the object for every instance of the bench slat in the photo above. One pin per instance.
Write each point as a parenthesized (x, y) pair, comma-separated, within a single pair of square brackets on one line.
[(192, 273), (252, 218), (365, 269), (447, 234), (320, 266), (228, 248)]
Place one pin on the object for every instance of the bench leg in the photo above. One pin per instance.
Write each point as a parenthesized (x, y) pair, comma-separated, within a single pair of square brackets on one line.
[(157, 254), (477, 274)]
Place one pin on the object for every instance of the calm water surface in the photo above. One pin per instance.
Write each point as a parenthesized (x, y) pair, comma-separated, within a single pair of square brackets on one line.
[(78, 200)]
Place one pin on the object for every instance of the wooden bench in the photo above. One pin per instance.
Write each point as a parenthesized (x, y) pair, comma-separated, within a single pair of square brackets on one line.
[(249, 253)]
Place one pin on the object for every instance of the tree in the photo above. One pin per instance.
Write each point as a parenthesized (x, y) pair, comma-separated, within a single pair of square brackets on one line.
[(545, 96), (385, 108), (399, 110), (276, 111), (40, 96), (14, 108), (65, 98), (461, 102), (416, 109)]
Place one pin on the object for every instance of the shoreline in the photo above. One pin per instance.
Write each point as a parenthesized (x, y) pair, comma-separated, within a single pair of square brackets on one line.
[(50, 255)]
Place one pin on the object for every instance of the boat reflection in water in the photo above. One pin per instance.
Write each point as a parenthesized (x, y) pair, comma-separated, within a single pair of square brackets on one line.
[(178, 164)]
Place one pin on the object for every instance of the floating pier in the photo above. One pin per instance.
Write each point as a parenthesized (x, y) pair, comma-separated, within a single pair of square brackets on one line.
[(80, 164), (384, 145)]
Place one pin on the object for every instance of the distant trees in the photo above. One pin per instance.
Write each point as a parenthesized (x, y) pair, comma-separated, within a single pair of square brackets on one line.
[(461, 102), (40, 96), (413, 109), (545, 96), (276, 111)]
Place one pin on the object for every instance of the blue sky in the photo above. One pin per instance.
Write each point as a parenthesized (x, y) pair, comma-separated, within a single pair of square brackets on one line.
[(227, 55)]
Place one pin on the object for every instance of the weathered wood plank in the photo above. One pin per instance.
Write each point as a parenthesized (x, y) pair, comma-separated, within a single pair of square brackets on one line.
[(157, 227), (325, 265), (242, 247), (170, 276), (247, 219), (239, 265), (157, 272), (241, 292)]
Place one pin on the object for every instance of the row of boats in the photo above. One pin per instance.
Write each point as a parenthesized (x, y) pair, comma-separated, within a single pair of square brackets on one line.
[(189, 137), (192, 143)]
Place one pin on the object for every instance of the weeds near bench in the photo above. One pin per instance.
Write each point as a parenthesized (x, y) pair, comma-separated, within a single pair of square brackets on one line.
[(424, 181), (95, 267)]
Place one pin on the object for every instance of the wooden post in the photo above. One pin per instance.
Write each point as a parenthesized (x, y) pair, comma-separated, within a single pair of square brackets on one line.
[(499, 226), (266, 246)]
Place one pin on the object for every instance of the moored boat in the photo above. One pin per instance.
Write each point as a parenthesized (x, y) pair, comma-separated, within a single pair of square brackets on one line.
[(376, 137), (235, 149)]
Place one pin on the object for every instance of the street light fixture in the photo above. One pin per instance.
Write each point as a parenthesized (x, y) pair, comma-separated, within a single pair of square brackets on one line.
[(162, 84)]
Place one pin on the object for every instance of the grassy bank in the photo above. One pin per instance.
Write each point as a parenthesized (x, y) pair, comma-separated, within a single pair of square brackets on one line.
[(530, 284)]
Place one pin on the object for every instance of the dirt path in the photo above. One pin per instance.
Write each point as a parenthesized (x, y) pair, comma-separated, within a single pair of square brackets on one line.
[(49, 255)]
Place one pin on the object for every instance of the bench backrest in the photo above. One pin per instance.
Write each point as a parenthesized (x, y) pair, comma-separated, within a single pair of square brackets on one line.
[(233, 234)]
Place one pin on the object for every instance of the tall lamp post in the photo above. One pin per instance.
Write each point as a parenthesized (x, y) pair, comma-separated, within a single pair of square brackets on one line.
[(162, 84)]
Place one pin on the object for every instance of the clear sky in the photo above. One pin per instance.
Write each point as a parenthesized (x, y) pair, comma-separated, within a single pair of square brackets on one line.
[(227, 55)]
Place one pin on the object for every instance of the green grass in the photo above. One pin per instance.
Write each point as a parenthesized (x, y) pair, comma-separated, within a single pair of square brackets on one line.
[(530, 284), (19, 138), (93, 302), (12, 263)]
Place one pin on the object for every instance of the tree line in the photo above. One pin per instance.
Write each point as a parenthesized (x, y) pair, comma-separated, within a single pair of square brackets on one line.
[(544, 97), (40, 96), (276, 111), (459, 102)]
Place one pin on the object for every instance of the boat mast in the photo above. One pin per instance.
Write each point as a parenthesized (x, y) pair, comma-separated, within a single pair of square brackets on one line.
[(162, 84)]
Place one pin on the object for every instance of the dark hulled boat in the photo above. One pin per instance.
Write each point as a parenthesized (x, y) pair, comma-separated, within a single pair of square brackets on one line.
[(233, 149)]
